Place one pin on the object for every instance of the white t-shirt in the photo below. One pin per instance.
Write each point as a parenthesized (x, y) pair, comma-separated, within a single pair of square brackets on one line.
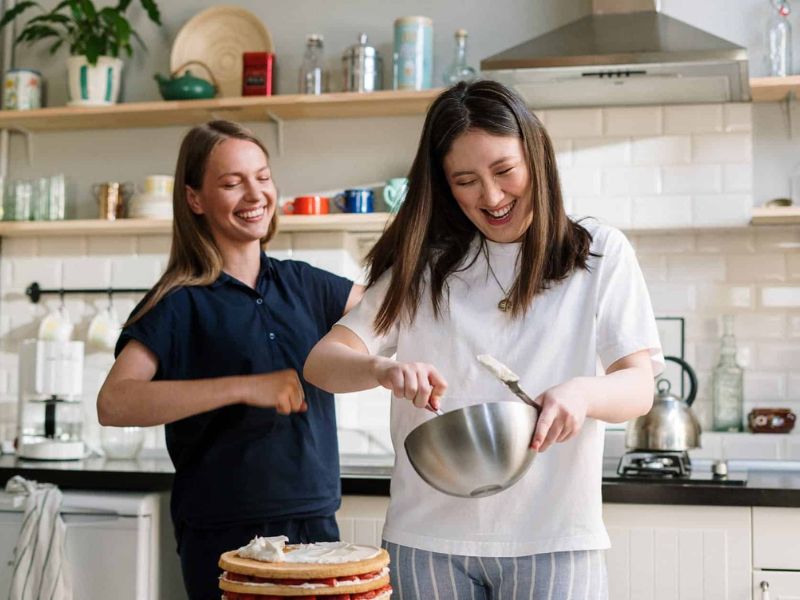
[(603, 313)]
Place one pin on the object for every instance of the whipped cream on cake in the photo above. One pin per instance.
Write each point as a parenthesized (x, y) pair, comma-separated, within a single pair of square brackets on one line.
[(273, 549)]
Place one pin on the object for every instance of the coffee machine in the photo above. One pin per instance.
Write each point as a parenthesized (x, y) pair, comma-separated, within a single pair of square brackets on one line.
[(50, 411)]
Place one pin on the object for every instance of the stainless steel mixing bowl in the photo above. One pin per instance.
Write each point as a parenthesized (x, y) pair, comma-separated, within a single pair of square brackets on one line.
[(475, 451)]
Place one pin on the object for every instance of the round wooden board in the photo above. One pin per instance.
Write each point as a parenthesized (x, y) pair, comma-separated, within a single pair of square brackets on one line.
[(289, 591), (230, 561)]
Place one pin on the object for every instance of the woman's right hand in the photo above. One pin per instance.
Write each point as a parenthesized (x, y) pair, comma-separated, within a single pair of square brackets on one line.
[(280, 390), (419, 382)]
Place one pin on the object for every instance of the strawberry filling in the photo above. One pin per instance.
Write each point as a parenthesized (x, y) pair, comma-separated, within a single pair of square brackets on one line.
[(360, 596), (328, 581)]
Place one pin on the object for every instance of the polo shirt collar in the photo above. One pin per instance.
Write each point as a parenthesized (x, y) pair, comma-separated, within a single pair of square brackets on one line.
[(266, 270)]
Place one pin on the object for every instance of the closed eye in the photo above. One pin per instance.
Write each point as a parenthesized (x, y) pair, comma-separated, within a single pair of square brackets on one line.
[(465, 183)]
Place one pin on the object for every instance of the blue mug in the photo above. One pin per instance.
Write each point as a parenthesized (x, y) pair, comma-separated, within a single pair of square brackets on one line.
[(358, 200)]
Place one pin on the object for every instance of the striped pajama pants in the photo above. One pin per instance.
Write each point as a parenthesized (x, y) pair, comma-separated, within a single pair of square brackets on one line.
[(422, 575)]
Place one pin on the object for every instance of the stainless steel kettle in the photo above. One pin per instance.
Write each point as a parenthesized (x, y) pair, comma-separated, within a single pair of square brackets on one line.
[(670, 424)]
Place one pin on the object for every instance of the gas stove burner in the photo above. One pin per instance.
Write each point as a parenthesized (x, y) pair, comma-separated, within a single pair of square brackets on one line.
[(660, 464)]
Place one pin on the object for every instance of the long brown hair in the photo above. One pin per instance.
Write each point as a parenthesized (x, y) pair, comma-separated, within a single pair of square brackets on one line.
[(194, 258), (432, 234)]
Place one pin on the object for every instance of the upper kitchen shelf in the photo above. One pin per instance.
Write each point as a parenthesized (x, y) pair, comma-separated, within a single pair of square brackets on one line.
[(190, 112), (774, 89), (386, 103), (372, 222), (355, 223)]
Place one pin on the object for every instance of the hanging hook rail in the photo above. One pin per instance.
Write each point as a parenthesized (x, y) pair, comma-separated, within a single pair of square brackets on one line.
[(34, 292)]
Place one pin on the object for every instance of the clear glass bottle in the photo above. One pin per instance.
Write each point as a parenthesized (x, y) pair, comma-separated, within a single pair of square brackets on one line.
[(727, 394), (313, 76), (779, 39), (459, 70)]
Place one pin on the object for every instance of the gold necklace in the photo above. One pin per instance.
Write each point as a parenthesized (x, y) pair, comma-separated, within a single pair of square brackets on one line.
[(505, 302)]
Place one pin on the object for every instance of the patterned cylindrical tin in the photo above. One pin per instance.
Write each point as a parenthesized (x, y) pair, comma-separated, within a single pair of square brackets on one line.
[(413, 53), (22, 89)]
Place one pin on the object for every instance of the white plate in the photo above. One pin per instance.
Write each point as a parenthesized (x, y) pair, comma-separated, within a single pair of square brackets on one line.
[(217, 37)]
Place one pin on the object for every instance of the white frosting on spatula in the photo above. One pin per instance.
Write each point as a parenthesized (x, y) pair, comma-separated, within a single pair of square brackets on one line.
[(502, 372)]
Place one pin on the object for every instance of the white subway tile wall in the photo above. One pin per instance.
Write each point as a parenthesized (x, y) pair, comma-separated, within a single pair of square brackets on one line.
[(635, 168), (695, 162)]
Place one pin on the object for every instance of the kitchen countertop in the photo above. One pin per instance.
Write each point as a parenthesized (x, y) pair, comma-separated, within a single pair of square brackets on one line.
[(370, 476)]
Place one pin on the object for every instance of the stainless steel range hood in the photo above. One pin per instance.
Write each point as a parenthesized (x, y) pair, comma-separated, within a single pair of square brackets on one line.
[(625, 53)]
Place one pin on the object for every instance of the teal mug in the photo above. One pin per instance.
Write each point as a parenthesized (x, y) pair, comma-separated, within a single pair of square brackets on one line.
[(394, 192)]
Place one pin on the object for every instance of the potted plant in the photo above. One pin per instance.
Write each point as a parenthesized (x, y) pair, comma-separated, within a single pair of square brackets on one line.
[(95, 36)]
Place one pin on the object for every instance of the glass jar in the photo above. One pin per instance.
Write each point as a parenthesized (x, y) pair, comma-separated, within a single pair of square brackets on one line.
[(727, 384), (313, 78)]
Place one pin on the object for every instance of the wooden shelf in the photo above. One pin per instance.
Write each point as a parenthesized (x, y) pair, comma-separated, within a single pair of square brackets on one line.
[(190, 112), (778, 215), (774, 89), (373, 222)]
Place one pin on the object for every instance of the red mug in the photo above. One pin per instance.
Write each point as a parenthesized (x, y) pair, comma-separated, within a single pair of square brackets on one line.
[(307, 205)]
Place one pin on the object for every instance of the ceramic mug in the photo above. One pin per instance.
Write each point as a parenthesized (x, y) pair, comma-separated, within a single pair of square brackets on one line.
[(159, 185), (104, 329), (358, 200), (394, 192), (56, 326), (307, 205)]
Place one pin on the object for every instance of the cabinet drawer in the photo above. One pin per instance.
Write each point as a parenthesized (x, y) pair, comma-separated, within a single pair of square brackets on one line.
[(780, 585), (776, 538)]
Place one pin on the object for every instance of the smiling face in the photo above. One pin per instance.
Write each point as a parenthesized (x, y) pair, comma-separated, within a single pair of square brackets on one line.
[(490, 180), (237, 197)]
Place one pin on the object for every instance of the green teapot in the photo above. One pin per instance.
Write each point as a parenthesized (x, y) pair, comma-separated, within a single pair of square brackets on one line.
[(187, 86)]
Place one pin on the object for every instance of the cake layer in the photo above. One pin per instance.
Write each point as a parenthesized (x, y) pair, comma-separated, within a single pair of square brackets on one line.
[(231, 561), (383, 594), (359, 590)]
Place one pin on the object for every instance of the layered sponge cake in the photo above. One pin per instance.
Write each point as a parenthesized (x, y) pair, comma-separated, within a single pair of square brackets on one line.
[(268, 569)]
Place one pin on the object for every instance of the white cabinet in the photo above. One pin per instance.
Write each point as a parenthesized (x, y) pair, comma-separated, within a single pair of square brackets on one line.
[(780, 585), (776, 538), (776, 553), (361, 519), (117, 545), (663, 552)]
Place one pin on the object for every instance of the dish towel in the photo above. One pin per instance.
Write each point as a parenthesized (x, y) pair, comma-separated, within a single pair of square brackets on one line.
[(41, 570)]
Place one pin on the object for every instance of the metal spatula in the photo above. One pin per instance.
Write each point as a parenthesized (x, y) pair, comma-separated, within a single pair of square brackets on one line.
[(507, 377)]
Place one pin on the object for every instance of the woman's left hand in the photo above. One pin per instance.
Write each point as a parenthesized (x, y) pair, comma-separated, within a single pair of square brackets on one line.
[(564, 409)]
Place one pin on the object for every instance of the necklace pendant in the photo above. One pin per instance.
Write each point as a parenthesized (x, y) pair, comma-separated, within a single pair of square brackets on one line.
[(504, 305)]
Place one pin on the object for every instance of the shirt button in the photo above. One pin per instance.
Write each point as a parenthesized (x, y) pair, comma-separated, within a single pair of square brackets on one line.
[(259, 301), (271, 335)]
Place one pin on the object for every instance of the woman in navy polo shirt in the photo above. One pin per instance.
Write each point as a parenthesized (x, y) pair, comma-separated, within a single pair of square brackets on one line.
[(214, 351)]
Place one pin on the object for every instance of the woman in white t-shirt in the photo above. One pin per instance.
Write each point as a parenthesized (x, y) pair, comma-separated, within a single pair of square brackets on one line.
[(482, 259)]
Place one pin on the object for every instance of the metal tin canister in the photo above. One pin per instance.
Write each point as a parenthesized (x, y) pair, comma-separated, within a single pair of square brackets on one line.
[(413, 53), (362, 67), (22, 89)]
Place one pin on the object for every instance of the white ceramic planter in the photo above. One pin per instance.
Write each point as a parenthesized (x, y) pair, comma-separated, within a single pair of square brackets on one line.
[(96, 85)]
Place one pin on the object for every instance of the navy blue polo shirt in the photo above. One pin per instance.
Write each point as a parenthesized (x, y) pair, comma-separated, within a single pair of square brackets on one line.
[(243, 463)]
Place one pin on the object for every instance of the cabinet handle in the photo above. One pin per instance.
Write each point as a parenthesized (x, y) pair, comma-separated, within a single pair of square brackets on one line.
[(764, 585)]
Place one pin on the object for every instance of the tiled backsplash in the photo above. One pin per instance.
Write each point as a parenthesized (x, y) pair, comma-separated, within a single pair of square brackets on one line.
[(638, 168), (753, 273), (656, 166)]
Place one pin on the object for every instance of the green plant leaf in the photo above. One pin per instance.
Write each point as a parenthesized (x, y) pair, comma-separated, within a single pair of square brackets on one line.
[(89, 9), (123, 5), (32, 33), (18, 10), (56, 46), (152, 11), (95, 47)]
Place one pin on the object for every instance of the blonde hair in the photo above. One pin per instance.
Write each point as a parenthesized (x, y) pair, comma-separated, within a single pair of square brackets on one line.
[(194, 258)]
